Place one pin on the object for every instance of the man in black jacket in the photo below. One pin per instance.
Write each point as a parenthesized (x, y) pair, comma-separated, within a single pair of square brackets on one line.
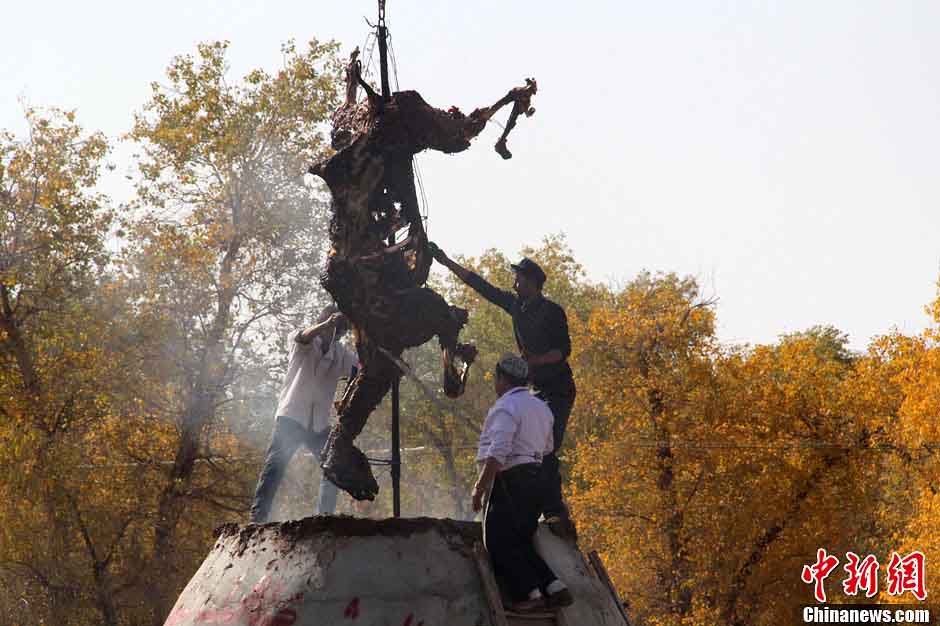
[(541, 330)]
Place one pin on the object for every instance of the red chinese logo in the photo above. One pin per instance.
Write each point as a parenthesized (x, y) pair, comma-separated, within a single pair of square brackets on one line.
[(863, 575), (903, 574), (907, 574), (817, 572)]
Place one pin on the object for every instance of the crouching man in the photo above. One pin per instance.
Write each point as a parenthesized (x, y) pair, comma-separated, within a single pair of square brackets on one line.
[(516, 435), (317, 361)]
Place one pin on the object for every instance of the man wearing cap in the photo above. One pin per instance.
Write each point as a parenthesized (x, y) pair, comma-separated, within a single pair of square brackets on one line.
[(517, 433), (316, 363), (541, 330)]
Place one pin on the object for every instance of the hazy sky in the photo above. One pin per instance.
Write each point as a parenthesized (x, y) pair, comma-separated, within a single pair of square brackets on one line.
[(785, 153)]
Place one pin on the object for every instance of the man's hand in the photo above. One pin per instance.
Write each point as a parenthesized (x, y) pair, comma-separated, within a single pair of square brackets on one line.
[(484, 481), (436, 253), (478, 492), (534, 360), (335, 321), (552, 356)]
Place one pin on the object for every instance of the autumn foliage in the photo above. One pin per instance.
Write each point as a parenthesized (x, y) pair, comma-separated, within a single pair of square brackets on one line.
[(141, 346), (708, 475)]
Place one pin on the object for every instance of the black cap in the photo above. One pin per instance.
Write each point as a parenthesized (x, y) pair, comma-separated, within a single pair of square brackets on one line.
[(530, 268)]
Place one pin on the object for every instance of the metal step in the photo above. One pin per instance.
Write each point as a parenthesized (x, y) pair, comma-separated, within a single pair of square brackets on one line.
[(531, 619)]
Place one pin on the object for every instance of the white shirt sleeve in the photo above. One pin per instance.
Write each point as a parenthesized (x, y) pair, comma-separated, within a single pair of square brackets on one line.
[(294, 347), (293, 340), (501, 427)]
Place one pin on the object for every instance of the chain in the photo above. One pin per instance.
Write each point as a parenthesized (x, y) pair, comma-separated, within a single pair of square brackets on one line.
[(381, 12)]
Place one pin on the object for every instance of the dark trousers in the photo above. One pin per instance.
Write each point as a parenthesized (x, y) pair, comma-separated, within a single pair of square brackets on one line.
[(288, 436), (509, 524), (560, 395)]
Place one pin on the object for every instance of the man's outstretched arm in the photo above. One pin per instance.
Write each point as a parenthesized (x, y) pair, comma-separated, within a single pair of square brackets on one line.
[(502, 299)]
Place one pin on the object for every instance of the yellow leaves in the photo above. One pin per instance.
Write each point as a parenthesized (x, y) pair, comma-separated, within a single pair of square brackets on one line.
[(115, 345), (933, 309), (801, 436)]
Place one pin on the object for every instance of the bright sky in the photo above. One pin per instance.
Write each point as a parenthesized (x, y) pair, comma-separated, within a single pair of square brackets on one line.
[(785, 153)]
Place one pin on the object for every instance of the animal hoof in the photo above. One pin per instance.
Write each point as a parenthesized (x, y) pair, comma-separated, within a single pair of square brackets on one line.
[(467, 352), (348, 468), (457, 368)]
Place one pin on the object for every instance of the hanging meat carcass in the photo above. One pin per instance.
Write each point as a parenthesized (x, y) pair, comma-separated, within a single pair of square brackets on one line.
[(379, 260)]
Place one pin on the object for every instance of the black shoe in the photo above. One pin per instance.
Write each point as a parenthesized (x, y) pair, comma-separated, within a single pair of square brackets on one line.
[(559, 599), (563, 527)]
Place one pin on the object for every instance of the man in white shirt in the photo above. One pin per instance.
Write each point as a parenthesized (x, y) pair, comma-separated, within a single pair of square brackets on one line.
[(516, 435), (317, 361)]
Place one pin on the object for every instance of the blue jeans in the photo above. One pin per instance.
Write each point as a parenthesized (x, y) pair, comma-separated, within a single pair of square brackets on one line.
[(288, 436)]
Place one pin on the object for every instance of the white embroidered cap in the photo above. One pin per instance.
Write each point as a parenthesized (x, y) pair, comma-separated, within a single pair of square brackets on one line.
[(514, 366)]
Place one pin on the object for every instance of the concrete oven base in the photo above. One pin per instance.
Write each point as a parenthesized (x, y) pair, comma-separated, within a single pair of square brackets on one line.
[(343, 571)]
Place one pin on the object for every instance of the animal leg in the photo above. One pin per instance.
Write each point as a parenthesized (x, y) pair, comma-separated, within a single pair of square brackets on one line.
[(343, 463)]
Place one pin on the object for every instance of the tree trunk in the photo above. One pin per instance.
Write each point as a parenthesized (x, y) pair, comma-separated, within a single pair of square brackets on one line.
[(450, 469), (24, 358), (99, 570), (445, 447), (676, 578), (770, 534), (198, 414)]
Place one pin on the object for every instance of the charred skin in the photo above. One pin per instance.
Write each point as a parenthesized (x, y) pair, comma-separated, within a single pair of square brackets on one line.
[(379, 261)]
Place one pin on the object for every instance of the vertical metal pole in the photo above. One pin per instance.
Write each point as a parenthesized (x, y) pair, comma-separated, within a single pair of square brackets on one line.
[(396, 451), (396, 433), (383, 52)]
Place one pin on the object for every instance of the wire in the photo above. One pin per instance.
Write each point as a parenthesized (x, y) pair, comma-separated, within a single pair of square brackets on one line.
[(368, 50), (809, 445), (391, 53), (424, 210), (717, 445), (639, 444), (692, 444), (424, 199)]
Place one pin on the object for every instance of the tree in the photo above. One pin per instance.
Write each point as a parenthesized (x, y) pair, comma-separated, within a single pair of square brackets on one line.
[(913, 371), (131, 381), (643, 362), (227, 249), (65, 372), (712, 472), (52, 226)]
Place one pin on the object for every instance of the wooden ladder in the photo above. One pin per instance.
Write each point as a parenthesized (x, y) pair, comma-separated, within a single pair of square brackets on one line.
[(595, 560), (498, 613)]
